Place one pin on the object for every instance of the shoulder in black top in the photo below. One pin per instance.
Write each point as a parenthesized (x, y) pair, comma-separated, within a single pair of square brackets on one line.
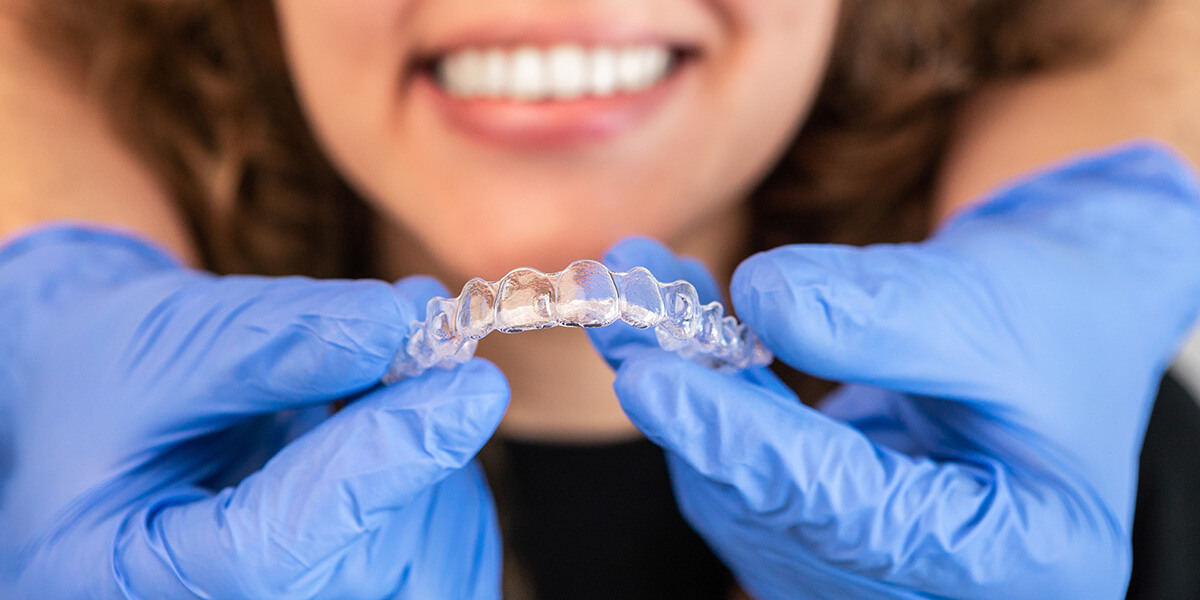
[(600, 521), (1166, 522)]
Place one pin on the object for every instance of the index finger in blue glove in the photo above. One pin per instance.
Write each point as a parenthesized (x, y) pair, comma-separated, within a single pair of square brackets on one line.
[(757, 469), (286, 342), (343, 493), (1111, 241), (247, 344), (418, 290), (619, 338)]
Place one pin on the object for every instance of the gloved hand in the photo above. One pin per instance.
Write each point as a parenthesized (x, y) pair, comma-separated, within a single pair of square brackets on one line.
[(132, 390), (1001, 375)]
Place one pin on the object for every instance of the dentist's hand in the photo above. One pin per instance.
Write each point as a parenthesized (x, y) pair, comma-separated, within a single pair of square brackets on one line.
[(133, 392), (1000, 374)]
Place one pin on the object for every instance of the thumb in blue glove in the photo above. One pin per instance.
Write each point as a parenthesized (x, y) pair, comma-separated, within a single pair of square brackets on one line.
[(130, 386), (1003, 372)]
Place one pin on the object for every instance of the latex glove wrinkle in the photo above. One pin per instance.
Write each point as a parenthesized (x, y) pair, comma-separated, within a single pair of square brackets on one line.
[(134, 391), (1001, 376)]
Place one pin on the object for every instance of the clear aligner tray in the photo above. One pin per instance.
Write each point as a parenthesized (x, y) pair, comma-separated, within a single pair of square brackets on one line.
[(585, 294)]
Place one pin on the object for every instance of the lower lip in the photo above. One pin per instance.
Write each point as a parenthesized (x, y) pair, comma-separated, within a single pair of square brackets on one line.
[(550, 124)]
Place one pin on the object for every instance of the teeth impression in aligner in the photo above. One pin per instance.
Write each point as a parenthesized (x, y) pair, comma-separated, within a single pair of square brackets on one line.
[(585, 294)]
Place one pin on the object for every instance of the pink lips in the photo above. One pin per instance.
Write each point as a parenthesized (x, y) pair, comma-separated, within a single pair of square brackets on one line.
[(553, 124), (549, 124)]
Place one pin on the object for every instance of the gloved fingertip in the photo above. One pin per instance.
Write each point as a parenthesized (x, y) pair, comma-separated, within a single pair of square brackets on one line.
[(419, 289), (652, 387), (615, 342), (637, 251), (763, 296), (805, 303), (477, 377), (92, 242), (663, 263), (1151, 164), (326, 339), (481, 376), (718, 424), (461, 407), (632, 383), (756, 274)]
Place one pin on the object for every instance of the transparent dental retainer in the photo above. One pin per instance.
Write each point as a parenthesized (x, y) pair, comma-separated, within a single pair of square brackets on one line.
[(585, 294)]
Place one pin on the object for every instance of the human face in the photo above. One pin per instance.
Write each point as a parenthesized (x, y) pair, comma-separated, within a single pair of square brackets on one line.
[(522, 173)]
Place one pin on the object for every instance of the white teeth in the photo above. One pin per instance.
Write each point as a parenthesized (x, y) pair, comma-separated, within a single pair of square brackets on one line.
[(564, 72), (495, 67), (604, 72), (567, 66), (470, 67), (633, 70), (527, 75), (654, 65), (448, 74)]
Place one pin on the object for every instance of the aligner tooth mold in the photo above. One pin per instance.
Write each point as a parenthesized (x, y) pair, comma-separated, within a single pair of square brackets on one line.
[(585, 294)]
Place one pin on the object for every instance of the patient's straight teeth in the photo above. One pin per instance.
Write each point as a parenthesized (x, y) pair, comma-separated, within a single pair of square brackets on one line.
[(563, 72), (585, 294), (603, 72), (527, 76), (566, 66)]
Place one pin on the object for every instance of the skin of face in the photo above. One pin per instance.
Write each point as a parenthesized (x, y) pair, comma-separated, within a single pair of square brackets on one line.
[(667, 163)]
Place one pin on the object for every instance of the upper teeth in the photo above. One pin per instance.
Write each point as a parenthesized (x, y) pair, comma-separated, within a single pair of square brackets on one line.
[(562, 72)]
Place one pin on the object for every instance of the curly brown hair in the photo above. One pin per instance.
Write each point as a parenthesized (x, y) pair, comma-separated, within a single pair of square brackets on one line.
[(199, 89)]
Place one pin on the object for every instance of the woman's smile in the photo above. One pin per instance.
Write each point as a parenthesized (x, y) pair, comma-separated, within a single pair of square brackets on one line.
[(565, 94), (534, 132)]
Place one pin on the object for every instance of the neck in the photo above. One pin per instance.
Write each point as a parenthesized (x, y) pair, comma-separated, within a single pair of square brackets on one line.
[(562, 389)]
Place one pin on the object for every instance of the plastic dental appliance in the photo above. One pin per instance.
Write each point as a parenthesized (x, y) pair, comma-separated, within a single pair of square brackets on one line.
[(585, 294)]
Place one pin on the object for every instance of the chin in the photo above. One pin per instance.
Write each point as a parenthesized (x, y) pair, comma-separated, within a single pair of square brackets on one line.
[(493, 257)]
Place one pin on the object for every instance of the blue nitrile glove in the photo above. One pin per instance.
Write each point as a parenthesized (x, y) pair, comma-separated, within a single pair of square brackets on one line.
[(132, 390), (1002, 373)]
